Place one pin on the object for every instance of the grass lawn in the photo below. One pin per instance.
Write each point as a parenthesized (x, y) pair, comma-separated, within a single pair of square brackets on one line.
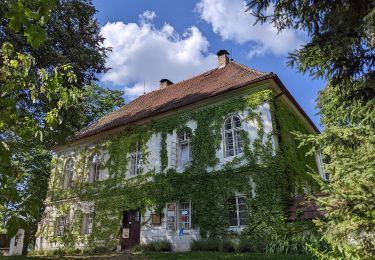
[(184, 255)]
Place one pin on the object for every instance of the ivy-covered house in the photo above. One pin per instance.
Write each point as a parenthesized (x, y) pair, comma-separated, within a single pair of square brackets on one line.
[(210, 156)]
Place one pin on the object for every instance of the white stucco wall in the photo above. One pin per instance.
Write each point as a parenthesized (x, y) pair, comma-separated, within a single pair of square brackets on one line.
[(149, 232), (16, 243), (180, 242)]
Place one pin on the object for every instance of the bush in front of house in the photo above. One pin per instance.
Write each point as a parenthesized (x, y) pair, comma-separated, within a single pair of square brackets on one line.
[(251, 246), (227, 246), (154, 246), (208, 244)]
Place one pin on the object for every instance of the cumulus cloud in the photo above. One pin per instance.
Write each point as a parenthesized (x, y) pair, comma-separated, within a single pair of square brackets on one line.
[(143, 53), (228, 19)]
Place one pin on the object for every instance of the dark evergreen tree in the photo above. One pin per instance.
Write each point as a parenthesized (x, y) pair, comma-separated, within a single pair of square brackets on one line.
[(340, 50)]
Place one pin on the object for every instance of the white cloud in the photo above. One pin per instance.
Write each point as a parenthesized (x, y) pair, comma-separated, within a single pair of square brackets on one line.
[(141, 52), (228, 19)]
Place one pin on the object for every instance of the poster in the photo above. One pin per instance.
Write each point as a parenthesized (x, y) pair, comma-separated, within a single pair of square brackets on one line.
[(125, 233)]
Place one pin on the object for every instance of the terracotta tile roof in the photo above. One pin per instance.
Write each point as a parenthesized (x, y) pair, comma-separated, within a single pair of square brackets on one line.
[(203, 86)]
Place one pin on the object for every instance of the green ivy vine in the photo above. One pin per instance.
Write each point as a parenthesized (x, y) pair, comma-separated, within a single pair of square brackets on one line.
[(275, 174)]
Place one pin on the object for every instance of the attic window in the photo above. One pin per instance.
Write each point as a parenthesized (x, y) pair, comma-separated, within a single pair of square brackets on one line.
[(207, 73)]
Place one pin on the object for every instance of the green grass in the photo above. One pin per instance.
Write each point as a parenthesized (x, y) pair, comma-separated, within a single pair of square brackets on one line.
[(184, 255)]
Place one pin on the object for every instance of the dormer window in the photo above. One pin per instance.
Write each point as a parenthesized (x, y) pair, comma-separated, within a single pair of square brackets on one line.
[(232, 136), (135, 165), (68, 173), (184, 149), (95, 168)]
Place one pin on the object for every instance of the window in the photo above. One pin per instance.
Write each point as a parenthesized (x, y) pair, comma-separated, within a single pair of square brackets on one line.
[(136, 161), (88, 220), (180, 212), (95, 169), (184, 149), (61, 225), (184, 213), (171, 216), (232, 137), (68, 173), (237, 212)]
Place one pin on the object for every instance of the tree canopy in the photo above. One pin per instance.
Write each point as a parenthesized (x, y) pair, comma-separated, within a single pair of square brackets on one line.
[(51, 52), (340, 49)]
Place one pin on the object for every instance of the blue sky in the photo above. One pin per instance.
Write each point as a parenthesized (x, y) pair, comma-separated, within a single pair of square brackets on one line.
[(152, 40)]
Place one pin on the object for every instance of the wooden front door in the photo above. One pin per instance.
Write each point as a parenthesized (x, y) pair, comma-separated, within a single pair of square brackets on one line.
[(131, 229)]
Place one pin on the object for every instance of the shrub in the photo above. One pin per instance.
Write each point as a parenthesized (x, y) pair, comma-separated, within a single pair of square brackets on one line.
[(101, 250), (252, 246), (154, 246), (227, 246), (205, 245)]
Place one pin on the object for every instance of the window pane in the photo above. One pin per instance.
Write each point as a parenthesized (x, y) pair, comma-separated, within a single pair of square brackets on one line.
[(228, 124), (68, 172), (232, 212), (243, 218), (229, 148), (242, 209), (171, 216), (132, 164), (96, 171), (236, 121), (238, 140), (185, 154), (184, 216), (139, 163)]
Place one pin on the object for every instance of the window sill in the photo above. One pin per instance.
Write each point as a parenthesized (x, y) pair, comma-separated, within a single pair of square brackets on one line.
[(237, 228), (231, 158)]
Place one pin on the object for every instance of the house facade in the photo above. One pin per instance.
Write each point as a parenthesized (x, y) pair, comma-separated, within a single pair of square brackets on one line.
[(205, 157)]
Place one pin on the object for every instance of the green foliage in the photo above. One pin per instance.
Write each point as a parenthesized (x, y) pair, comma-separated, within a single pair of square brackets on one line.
[(264, 167), (30, 17), (42, 101), (251, 246), (72, 35), (154, 246), (341, 50), (206, 245)]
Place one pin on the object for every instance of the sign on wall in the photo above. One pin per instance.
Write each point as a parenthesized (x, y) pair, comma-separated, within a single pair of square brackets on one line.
[(125, 233)]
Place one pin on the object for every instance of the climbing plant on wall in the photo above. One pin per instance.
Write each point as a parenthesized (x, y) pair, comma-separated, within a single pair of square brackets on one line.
[(263, 175)]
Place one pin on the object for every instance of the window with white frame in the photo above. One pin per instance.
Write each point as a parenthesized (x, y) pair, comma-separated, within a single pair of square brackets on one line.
[(135, 165), (68, 173), (95, 168), (237, 211), (184, 149), (184, 215), (61, 225), (171, 216), (88, 221), (232, 136), (179, 216)]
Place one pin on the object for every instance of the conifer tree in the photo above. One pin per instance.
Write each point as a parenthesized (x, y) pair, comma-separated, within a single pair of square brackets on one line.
[(340, 50)]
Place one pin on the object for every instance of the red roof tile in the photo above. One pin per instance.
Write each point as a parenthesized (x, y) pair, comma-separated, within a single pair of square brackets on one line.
[(206, 85)]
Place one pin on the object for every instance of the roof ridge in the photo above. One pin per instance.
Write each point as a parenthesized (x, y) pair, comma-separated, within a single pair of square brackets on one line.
[(140, 107), (249, 69), (153, 91)]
